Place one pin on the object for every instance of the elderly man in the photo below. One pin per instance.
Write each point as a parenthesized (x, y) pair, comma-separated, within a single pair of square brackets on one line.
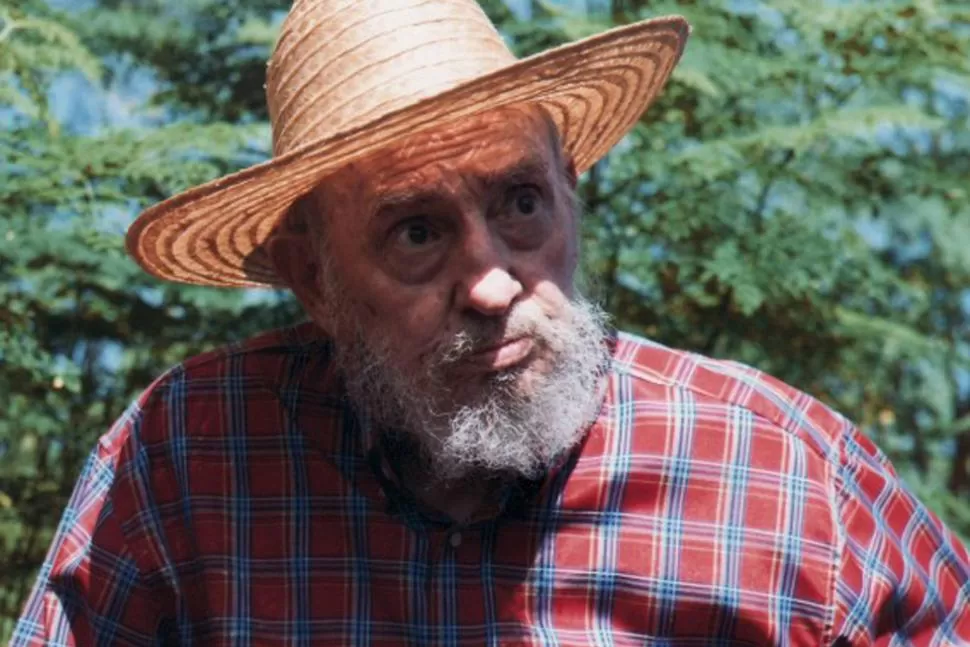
[(458, 449)]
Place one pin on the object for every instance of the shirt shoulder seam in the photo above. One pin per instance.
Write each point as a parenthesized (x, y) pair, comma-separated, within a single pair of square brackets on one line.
[(288, 338), (646, 374)]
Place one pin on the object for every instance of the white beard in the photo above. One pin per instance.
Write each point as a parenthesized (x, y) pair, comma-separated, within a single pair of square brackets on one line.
[(519, 422)]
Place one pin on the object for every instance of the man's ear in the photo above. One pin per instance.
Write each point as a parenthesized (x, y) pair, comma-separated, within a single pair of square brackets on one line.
[(294, 257)]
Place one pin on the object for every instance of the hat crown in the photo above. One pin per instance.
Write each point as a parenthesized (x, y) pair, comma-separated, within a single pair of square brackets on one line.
[(339, 64)]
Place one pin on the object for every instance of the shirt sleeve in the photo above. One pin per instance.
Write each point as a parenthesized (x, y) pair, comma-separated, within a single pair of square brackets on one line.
[(90, 590), (904, 577)]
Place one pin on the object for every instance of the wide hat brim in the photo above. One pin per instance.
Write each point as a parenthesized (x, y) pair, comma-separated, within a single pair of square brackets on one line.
[(595, 89)]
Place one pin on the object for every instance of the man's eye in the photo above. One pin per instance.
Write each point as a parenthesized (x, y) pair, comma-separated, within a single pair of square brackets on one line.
[(415, 234), (525, 200)]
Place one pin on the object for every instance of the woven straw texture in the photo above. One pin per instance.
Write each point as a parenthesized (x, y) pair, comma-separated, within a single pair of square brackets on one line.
[(349, 77)]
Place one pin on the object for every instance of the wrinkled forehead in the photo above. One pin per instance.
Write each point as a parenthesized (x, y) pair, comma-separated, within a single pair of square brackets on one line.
[(483, 145)]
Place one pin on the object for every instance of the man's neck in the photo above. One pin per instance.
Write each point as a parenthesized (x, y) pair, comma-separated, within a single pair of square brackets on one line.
[(459, 499)]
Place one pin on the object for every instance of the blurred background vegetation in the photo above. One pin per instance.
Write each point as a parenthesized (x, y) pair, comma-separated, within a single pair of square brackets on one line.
[(797, 200)]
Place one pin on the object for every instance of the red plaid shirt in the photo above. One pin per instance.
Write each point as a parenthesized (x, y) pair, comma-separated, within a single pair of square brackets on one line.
[(236, 503)]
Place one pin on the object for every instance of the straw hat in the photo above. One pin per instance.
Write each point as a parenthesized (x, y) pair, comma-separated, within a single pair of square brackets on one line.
[(351, 76)]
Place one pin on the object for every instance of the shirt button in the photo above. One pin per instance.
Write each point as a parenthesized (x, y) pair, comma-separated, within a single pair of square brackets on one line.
[(455, 539)]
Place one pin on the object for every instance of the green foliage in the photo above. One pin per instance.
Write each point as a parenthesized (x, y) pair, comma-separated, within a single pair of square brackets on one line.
[(33, 47), (82, 329), (795, 200)]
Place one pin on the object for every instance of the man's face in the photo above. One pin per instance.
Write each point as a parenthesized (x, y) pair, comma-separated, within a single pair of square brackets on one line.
[(446, 278)]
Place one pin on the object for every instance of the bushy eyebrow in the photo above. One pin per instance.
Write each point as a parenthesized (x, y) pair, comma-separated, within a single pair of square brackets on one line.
[(405, 199), (524, 171), (528, 170)]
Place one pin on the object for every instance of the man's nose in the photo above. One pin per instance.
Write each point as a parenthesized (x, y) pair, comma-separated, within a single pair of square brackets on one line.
[(494, 292), (489, 284)]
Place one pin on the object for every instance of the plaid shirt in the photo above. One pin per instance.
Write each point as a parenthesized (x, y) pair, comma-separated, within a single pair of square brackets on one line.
[(235, 503)]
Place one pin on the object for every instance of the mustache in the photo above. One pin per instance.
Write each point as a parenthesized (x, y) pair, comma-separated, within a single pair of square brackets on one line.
[(478, 335)]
